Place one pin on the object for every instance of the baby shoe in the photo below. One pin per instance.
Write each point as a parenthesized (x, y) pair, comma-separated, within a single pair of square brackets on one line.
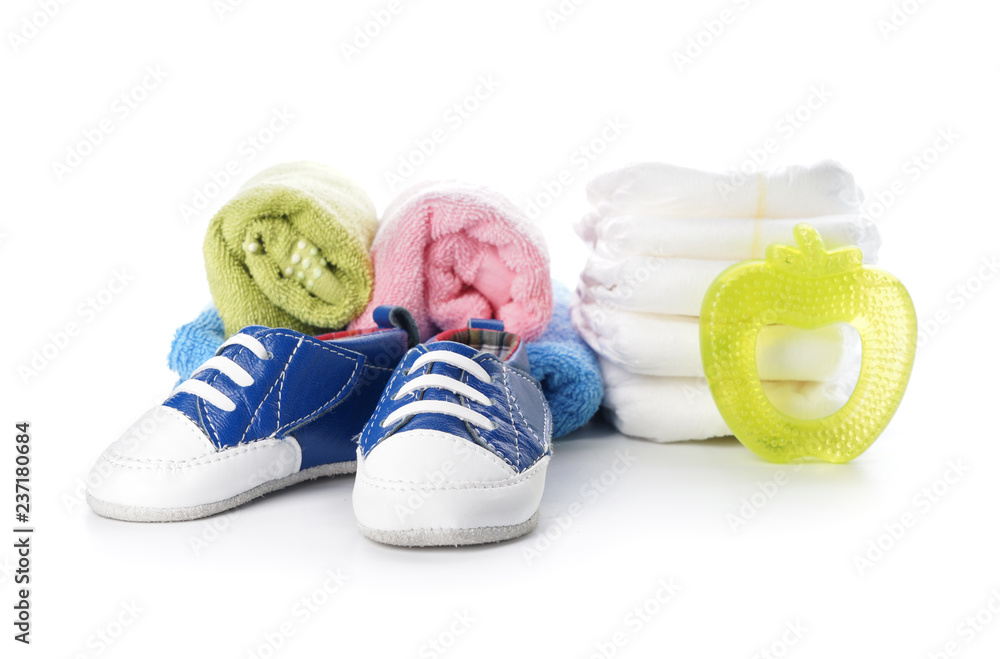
[(272, 408), (456, 451)]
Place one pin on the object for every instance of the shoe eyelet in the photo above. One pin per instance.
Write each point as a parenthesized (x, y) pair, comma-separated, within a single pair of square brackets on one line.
[(270, 355)]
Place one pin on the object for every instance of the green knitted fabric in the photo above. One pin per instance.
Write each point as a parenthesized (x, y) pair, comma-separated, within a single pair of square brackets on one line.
[(291, 249)]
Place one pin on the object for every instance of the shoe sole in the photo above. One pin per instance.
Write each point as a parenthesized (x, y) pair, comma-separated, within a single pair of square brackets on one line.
[(145, 514), (448, 516), (449, 537)]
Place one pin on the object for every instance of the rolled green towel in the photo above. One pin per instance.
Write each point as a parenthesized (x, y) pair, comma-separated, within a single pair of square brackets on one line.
[(291, 249)]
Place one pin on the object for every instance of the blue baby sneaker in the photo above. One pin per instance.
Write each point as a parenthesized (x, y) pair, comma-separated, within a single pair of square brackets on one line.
[(456, 451), (272, 408)]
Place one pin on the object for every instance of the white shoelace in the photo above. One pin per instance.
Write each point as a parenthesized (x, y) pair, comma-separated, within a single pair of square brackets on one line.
[(437, 381), (227, 367)]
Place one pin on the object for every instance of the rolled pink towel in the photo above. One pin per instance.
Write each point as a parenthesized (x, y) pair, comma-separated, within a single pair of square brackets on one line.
[(450, 251)]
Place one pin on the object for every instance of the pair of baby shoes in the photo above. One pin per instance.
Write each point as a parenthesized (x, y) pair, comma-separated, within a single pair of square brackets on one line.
[(450, 438)]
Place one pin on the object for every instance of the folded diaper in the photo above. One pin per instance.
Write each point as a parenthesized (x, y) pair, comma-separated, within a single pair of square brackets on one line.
[(666, 409), (667, 190), (656, 344), (567, 369), (291, 250), (649, 284), (653, 284), (722, 239), (451, 251)]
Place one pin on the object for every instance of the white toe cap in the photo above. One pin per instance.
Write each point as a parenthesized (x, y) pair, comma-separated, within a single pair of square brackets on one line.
[(428, 482), (432, 457), (166, 461)]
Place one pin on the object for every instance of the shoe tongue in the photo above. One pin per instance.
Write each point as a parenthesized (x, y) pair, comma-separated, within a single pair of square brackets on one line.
[(443, 368), (249, 330), (443, 422), (252, 330), (452, 346)]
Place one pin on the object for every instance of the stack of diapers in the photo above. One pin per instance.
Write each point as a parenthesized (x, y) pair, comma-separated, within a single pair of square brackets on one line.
[(659, 236), (450, 251), (291, 249)]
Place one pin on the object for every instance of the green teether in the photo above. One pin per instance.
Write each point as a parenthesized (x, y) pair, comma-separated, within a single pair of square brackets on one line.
[(807, 287)]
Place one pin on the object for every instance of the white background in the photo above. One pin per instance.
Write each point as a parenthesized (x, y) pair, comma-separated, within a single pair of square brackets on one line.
[(665, 517)]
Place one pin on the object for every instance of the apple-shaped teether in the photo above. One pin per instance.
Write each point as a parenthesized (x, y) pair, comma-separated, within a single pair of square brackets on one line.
[(807, 287)]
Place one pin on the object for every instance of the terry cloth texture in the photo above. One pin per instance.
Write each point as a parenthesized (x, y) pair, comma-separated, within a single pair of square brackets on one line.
[(291, 249), (567, 369), (450, 251), (659, 235)]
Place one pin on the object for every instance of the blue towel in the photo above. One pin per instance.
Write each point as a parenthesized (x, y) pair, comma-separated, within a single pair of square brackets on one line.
[(567, 369), (560, 360), (196, 342)]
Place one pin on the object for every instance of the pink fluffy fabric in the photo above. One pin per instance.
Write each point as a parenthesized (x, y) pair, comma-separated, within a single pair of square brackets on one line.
[(450, 251)]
